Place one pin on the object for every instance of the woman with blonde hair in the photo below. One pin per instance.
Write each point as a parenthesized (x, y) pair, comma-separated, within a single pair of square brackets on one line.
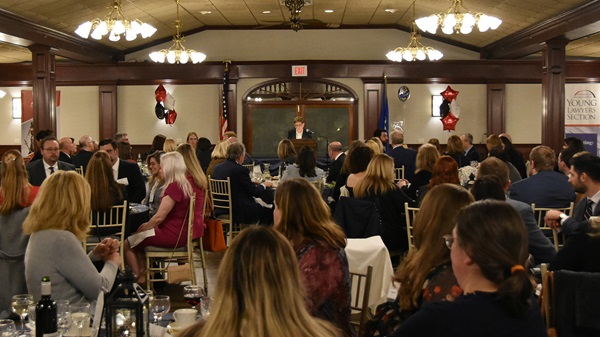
[(193, 166), (259, 292), (427, 265), (171, 214), (376, 145), (58, 222), (378, 186), (493, 141), (169, 145), (304, 218), (15, 190), (427, 155), (155, 183), (218, 156), (454, 149)]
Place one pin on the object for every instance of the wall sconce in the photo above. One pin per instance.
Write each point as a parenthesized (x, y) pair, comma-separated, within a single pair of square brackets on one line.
[(16, 108), (436, 101)]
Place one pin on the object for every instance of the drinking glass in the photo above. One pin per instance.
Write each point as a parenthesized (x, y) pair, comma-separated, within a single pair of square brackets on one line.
[(7, 328), (31, 316), (80, 314), (205, 309), (159, 305), (192, 295), (63, 317), (20, 305)]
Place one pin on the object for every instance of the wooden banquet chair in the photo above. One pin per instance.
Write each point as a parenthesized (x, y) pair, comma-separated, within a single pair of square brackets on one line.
[(80, 170), (199, 248), (399, 173), (410, 213), (158, 258), (250, 167), (360, 287), (220, 193), (540, 212), (109, 224)]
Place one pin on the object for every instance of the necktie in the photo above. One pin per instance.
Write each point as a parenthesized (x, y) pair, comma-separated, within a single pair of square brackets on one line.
[(588, 209), (51, 169)]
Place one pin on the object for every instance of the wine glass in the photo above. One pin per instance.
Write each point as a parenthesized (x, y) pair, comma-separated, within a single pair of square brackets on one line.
[(31, 316), (20, 305), (63, 317), (7, 328), (159, 305), (80, 314), (192, 295)]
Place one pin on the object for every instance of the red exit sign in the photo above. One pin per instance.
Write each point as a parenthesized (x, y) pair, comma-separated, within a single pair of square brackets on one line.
[(299, 71)]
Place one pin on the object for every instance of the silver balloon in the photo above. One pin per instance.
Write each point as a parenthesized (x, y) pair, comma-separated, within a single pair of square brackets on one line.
[(403, 93)]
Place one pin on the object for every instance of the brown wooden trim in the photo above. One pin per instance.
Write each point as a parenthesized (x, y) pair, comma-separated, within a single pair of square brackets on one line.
[(495, 108), (573, 24), (44, 88), (4, 148), (108, 111), (372, 108), (553, 94)]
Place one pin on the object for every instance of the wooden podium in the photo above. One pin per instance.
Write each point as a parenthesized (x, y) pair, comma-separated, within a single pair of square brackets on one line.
[(298, 143)]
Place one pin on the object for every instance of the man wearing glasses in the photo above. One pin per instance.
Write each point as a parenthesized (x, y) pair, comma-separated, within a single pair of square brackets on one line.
[(39, 169)]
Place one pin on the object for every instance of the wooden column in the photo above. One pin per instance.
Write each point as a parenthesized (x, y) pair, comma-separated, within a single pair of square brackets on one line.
[(496, 116), (108, 111), (44, 88), (553, 93), (373, 101)]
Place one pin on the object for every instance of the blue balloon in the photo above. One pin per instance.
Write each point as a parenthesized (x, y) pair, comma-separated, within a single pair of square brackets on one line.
[(403, 93)]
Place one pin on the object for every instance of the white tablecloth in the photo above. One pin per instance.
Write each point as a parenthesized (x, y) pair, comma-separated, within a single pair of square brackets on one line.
[(371, 252)]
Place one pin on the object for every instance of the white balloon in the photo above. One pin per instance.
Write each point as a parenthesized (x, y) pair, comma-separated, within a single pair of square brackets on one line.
[(455, 108), (169, 102)]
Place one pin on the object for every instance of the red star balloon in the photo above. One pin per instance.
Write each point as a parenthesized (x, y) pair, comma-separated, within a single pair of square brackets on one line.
[(449, 94), (171, 117), (160, 93), (449, 122)]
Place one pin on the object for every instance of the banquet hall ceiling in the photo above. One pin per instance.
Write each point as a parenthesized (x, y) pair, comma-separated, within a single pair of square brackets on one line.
[(526, 23)]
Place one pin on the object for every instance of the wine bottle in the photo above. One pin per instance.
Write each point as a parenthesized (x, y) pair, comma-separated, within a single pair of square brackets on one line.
[(45, 312)]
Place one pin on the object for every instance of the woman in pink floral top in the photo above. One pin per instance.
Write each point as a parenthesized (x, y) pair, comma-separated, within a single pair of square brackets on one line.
[(304, 218)]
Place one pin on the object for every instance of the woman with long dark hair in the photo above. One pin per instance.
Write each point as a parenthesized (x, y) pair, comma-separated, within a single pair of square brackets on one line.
[(305, 167)]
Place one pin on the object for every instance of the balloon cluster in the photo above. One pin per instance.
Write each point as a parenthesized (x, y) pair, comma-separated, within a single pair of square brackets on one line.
[(449, 109), (165, 105)]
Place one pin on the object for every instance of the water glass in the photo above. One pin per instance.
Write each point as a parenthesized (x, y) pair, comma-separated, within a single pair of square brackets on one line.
[(80, 315), (20, 305), (63, 317), (159, 305), (31, 316), (7, 328)]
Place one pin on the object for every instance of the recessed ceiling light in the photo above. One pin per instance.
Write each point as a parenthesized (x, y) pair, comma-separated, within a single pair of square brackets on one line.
[(266, 12), (391, 10), (205, 12), (328, 11)]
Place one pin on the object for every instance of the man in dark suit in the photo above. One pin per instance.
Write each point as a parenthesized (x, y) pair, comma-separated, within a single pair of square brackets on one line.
[(540, 247), (243, 190), (585, 178), (337, 154), (86, 150), (402, 156), (39, 169), (544, 188), (299, 131), (126, 173), (470, 150), (67, 149)]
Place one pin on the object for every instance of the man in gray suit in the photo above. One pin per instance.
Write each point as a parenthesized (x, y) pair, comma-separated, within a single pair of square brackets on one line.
[(39, 169)]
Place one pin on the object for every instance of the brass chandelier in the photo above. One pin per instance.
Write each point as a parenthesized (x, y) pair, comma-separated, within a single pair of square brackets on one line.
[(455, 21)]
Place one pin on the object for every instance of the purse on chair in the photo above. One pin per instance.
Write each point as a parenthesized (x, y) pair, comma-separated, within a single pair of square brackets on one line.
[(214, 238), (182, 272)]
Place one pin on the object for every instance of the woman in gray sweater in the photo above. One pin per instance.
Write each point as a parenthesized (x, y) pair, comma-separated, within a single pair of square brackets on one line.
[(58, 222)]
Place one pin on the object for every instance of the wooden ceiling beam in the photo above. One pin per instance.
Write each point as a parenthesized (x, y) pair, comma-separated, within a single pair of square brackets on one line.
[(22, 32), (573, 24)]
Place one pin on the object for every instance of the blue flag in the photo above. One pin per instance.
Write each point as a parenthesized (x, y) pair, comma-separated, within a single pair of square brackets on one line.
[(384, 117)]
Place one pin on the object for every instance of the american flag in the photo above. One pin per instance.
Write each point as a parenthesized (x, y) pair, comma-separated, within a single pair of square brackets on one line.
[(224, 116)]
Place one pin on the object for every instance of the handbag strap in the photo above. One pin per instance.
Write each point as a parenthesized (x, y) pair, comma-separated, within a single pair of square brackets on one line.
[(181, 230)]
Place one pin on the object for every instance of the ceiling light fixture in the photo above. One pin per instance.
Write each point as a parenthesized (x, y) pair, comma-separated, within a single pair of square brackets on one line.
[(328, 11), (115, 24), (453, 21), (295, 7), (177, 53), (391, 10), (415, 49)]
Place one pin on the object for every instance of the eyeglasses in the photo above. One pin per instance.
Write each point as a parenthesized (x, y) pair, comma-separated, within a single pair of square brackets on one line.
[(449, 240)]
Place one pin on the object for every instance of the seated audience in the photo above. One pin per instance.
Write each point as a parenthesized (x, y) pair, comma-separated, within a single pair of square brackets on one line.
[(467, 144), (427, 266), (581, 252), (86, 149), (544, 187), (445, 170), (575, 144), (125, 172), (513, 173), (15, 190), (194, 170), (168, 221), (259, 292), (192, 139), (488, 250), (286, 153), (218, 156), (156, 183), (378, 186), (357, 161), (125, 151), (38, 170), (375, 145), (402, 156), (106, 192), (427, 155), (515, 157), (435, 142), (345, 171), (157, 144), (302, 216), (203, 152), (58, 222), (336, 153), (243, 191), (493, 141), (169, 145), (454, 149), (305, 167)]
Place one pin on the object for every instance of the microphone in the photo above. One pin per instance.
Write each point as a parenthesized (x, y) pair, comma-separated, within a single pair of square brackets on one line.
[(309, 131)]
